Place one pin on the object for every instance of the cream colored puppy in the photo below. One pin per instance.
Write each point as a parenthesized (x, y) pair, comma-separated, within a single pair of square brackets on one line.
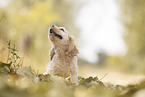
[(63, 54)]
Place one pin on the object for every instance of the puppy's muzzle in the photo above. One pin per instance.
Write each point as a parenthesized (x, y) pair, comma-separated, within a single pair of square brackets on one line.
[(52, 31)]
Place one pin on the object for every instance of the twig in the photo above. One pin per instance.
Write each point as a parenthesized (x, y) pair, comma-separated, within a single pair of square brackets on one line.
[(9, 43), (104, 76)]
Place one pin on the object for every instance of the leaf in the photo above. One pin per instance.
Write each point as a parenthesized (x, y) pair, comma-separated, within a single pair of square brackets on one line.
[(80, 77), (14, 54), (18, 65), (70, 78), (13, 49), (15, 61), (9, 48), (4, 68), (17, 57), (9, 42), (26, 72), (88, 80), (14, 45), (9, 59), (4, 64), (11, 62), (58, 75)]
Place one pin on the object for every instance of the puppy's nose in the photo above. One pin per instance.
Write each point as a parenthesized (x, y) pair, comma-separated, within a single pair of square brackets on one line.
[(52, 25)]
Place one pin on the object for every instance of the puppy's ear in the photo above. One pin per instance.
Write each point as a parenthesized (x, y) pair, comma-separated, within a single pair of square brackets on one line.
[(72, 49), (52, 53)]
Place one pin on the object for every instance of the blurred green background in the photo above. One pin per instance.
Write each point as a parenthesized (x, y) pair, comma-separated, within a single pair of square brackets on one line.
[(26, 23)]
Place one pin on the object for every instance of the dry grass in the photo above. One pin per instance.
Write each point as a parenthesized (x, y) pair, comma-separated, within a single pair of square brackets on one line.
[(113, 76)]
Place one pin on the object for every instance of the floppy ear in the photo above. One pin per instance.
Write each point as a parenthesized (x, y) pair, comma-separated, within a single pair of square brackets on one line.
[(72, 49), (52, 53)]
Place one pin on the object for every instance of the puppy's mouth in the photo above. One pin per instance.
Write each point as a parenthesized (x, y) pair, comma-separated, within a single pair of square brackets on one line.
[(52, 32)]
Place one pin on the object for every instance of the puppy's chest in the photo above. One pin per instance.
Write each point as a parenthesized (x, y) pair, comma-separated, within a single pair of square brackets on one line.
[(63, 61)]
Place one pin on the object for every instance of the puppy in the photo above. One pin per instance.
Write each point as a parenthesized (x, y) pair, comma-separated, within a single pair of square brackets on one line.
[(63, 55)]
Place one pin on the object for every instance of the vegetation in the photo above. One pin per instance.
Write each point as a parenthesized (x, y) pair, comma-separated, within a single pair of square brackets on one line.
[(27, 22), (16, 80), (132, 18)]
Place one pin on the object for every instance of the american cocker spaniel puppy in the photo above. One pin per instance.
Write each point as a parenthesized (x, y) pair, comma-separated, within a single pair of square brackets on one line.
[(63, 55)]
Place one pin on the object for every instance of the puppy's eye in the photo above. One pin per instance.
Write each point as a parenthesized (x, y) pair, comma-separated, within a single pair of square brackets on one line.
[(62, 29)]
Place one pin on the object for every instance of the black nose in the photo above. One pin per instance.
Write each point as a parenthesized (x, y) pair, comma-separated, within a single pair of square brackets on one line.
[(52, 25)]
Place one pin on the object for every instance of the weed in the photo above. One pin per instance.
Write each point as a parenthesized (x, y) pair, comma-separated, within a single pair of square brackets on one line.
[(25, 83), (13, 58)]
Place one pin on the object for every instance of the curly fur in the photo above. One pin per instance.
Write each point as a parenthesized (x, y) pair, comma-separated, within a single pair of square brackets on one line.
[(63, 55)]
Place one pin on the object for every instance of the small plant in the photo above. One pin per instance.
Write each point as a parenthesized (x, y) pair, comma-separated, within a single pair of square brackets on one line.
[(13, 59)]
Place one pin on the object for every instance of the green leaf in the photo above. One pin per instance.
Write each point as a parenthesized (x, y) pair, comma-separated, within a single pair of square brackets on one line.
[(17, 57), (13, 49), (14, 45), (5, 64), (9, 42), (11, 62), (9, 48), (58, 75), (12, 52), (88, 80)]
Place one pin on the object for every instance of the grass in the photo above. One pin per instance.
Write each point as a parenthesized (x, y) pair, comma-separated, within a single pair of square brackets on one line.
[(19, 81)]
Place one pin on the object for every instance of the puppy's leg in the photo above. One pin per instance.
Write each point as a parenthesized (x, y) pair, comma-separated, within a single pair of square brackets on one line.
[(52, 53), (74, 75)]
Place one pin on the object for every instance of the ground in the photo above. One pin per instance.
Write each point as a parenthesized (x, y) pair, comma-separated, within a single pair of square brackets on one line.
[(113, 76)]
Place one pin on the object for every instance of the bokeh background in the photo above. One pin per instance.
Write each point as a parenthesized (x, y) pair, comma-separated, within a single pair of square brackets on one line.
[(109, 33)]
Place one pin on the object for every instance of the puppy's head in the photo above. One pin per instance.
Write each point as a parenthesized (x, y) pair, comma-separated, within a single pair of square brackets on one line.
[(62, 39), (58, 35)]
